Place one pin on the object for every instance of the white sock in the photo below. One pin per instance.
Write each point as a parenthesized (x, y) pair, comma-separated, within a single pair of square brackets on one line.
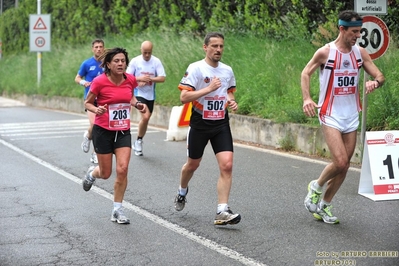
[(91, 175), (117, 205), (317, 187), (222, 207), (182, 191)]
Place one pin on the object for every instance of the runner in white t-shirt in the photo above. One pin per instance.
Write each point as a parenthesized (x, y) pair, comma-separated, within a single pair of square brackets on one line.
[(149, 66), (210, 85)]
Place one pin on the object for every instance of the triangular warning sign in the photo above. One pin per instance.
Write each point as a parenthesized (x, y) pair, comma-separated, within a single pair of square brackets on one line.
[(39, 25)]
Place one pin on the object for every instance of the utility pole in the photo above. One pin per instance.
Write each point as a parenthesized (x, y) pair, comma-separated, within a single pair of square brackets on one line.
[(39, 54)]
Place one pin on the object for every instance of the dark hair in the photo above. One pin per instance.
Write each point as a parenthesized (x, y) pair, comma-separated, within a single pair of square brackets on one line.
[(212, 35), (96, 41), (349, 15), (109, 55)]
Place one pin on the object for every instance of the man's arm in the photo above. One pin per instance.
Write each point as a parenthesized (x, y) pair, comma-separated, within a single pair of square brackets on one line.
[(160, 73), (158, 79), (79, 80), (319, 58), (373, 71), (187, 96), (231, 101)]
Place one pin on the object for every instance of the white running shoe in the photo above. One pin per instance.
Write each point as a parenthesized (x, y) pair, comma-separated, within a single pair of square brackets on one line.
[(227, 217), (86, 142), (93, 158), (324, 214), (180, 201), (312, 198), (119, 217), (88, 180), (138, 147)]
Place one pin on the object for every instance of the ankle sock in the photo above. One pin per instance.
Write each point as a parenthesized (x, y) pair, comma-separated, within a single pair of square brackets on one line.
[(117, 205), (317, 187), (182, 191), (222, 207)]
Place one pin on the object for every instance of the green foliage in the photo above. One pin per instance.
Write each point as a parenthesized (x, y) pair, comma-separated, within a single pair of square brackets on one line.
[(392, 19), (79, 21), (382, 105)]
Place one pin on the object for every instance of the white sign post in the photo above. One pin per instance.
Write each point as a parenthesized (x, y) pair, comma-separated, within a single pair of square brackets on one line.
[(39, 36), (379, 178)]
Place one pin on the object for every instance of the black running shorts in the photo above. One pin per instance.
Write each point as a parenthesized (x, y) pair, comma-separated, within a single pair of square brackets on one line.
[(220, 138), (106, 141)]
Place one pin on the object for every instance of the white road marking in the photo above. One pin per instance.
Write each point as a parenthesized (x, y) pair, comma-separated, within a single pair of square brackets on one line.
[(49, 129)]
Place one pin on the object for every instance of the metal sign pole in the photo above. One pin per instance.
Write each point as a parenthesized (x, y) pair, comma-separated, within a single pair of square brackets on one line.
[(364, 109), (39, 54)]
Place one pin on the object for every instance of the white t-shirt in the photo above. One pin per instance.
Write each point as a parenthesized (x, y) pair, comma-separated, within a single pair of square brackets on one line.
[(212, 106), (139, 67)]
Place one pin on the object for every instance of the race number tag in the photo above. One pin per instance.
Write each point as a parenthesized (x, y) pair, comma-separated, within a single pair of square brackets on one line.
[(119, 116), (345, 82), (214, 108)]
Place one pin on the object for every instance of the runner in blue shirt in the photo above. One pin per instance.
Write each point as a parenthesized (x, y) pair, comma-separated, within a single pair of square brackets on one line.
[(89, 69)]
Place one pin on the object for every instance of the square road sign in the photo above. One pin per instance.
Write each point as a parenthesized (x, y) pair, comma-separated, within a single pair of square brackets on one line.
[(39, 33)]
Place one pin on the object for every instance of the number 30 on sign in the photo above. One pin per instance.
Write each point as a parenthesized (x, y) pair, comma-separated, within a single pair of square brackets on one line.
[(379, 179)]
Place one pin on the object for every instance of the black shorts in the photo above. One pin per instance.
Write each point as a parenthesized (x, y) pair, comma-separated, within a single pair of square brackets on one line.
[(106, 141), (220, 138), (150, 104)]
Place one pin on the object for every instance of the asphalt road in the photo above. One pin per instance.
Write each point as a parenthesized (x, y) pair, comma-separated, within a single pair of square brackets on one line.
[(47, 219)]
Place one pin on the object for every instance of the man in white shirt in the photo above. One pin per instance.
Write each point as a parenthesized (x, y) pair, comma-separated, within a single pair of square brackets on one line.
[(151, 67)]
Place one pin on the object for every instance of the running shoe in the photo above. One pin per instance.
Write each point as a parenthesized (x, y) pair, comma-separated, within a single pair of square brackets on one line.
[(180, 201), (88, 181), (138, 147), (227, 217), (93, 158), (324, 214), (119, 217), (312, 198), (86, 142)]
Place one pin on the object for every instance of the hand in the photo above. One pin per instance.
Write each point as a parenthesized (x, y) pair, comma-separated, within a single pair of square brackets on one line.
[(142, 83), (141, 107), (215, 84), (84, 83), (309, 107), (371, 85), (233, 104), (145, 78), (101, 109)]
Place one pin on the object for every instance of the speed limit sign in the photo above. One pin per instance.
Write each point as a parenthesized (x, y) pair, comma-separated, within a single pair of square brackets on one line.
[(374, 36)]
